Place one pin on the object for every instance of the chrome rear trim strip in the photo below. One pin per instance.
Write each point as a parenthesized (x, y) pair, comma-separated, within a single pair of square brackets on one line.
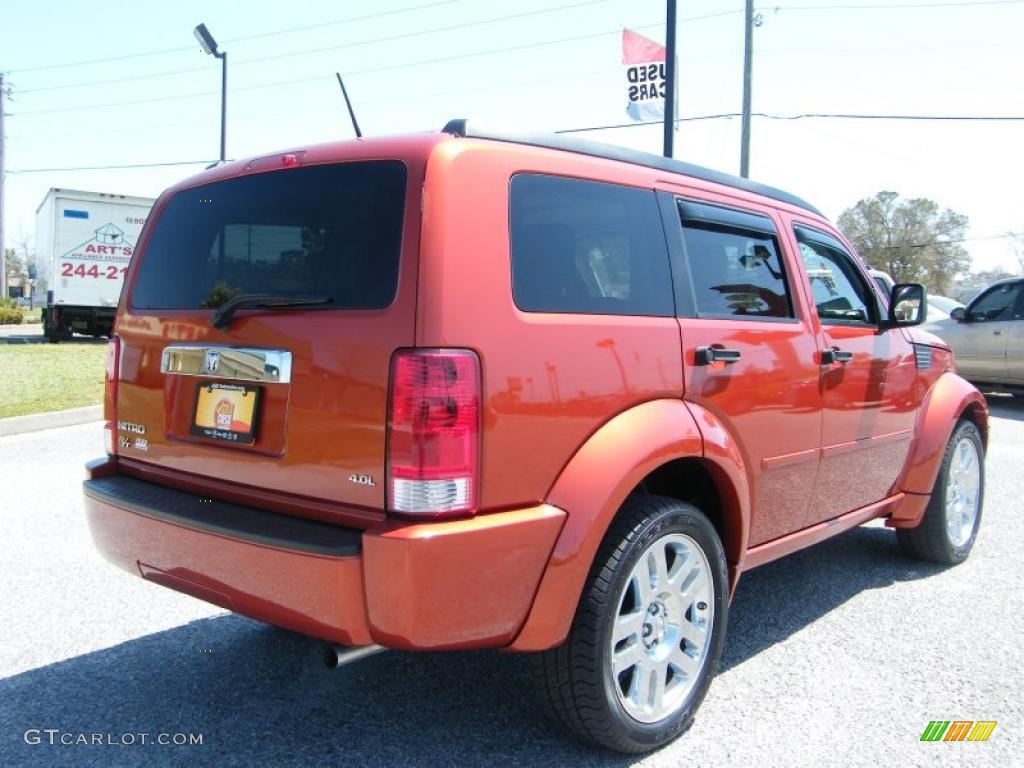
[(231, 363)]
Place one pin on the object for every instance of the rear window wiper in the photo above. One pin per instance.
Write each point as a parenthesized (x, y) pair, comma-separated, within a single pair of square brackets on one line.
[(222, 317)]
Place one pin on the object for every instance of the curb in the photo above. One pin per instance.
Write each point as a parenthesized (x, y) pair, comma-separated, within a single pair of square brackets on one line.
[(33, 422)]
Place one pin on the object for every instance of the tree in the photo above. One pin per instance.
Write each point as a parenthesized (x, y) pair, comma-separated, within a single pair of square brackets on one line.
[(913, 240), (14, 266), (1017, 247)]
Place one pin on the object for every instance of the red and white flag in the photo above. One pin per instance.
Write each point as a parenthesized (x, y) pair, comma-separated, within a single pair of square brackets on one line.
[(644, 61)]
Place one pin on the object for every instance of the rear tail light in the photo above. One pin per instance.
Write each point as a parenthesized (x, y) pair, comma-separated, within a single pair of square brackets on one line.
[(434, 433), (111, 376)]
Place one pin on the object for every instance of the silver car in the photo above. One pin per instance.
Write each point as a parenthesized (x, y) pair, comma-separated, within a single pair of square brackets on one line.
[(988, 337)]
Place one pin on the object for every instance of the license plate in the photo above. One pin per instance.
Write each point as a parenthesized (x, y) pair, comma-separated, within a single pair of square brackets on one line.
[(226, 412)]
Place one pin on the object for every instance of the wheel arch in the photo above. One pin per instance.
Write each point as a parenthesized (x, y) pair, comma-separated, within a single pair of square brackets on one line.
[(664, 451), (949, 400)]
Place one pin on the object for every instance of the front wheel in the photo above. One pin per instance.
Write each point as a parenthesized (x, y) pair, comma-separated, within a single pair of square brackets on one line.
[(946, 533), (648, 632)]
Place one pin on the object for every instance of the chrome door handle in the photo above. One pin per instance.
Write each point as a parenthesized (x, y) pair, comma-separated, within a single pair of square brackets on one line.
[(835, 355), (997, 332), (709, 355)]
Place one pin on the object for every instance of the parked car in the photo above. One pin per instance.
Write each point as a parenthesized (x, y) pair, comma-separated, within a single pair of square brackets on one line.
[(940, 307), (473, 390), (882, 279), (987, 337)]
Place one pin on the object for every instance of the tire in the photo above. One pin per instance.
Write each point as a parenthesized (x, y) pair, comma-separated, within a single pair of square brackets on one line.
[(683, 616), (949, 527)]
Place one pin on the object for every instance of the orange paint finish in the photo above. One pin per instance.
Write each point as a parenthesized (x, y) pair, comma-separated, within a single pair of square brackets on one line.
[(765, 405), (804, 538), (949, 399), (311, 594), (330, 421), (549, 380), (907, 512), (458, 584), (591, 489), (578, 409)]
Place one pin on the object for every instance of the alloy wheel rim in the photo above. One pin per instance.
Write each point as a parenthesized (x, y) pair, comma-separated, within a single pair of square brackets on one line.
[(962, 492), (662, 631)]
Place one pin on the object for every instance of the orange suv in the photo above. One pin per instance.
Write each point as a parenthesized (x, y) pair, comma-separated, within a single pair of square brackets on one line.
[(476, 390)]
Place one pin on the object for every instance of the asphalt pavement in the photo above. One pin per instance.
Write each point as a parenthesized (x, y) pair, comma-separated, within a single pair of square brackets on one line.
[(838, 655)]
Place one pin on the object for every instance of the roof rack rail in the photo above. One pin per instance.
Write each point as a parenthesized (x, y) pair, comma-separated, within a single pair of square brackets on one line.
[(461, 127)]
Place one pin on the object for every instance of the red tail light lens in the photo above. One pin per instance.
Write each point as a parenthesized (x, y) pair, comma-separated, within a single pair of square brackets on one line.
[(434, 433), (111, 375)]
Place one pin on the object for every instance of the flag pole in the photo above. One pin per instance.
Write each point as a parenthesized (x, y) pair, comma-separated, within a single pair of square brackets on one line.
[(670, 76)]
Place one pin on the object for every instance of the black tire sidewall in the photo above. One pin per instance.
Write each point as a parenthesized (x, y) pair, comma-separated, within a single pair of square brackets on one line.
[(677, 517)]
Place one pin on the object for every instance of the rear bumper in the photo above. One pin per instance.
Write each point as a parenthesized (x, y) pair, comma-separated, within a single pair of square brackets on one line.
[(438, 585)]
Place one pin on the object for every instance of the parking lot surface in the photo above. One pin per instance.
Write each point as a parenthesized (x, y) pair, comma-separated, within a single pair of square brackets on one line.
[(838, 655)]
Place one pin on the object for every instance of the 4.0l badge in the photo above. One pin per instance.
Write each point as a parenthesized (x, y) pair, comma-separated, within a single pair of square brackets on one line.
[(361, 479)]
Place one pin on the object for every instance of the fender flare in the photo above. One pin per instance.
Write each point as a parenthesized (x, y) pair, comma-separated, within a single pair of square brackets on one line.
[(948, 399), (593, 486)]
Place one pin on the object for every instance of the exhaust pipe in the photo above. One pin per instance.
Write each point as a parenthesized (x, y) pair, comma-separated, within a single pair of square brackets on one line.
[(340, 655)]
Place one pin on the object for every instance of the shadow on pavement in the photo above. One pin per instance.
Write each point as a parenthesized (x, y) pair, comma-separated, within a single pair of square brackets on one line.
[(1006, 406), (38, 338), (261, 696)]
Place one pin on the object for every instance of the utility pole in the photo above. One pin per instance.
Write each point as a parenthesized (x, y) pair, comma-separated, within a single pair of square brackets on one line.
[(748, 57), (3, 252), (670, 76)]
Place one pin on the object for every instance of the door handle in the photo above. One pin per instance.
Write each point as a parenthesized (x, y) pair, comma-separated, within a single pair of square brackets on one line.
[(709, 355), (835, 355), (997, 332)]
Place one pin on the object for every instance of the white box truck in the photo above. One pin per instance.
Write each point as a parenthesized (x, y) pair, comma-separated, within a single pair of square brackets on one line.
[(84, 242)]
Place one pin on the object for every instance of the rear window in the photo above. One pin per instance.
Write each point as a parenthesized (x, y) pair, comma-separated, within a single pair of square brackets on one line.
[(587, 247), (333, 230)]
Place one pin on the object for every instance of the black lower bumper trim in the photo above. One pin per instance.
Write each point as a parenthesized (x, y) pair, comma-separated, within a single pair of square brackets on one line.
[(234, 520)]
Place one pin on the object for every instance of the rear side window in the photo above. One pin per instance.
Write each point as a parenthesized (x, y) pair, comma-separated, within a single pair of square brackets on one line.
[(736, 269), (587, 247), (333, 230)]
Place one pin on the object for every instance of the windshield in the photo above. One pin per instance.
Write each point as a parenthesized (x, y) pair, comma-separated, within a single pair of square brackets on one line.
[(331, 229)]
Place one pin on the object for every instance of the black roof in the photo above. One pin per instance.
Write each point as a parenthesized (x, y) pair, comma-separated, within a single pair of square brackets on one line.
[(462, 127)]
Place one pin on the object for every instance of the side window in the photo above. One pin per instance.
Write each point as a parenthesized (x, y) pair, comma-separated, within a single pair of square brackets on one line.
[(736, 273), (997, 304), (840, 292), (587, 247)]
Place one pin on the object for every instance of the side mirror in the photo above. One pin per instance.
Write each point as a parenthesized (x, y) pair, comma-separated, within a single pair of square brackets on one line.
[(908, 305), (959, 314)]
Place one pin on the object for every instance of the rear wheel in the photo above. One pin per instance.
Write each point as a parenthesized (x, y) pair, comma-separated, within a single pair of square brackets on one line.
[(648, 632), (950, 524)]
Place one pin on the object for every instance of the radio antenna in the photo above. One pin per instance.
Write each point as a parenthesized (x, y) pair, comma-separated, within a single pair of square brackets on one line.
[(355, 124)]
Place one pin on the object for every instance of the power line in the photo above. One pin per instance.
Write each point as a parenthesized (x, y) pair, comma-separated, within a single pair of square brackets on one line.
[(114, 167), (895, 6), (1003, 236), (396, 11), (804, 116), (311, 51), (370, 70)]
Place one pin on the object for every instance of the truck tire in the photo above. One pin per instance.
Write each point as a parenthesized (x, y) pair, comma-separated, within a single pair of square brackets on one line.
[(648, 631), (949, 527)]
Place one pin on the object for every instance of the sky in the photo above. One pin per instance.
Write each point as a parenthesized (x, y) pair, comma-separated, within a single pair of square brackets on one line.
[(111, 83)]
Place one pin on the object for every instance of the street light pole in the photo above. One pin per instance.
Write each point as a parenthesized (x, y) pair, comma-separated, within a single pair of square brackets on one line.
[(209, 45), (670, 76), (748, 56), (3, 253), (223, 100)]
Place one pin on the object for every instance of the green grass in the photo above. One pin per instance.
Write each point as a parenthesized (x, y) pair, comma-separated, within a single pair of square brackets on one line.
[(33, 315), (50, 377)]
